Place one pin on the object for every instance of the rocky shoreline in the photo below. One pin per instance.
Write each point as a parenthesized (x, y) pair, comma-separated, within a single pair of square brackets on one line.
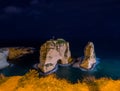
[(8, 54)]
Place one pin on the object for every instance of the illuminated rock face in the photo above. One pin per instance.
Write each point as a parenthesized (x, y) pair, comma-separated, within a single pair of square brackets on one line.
[(17, 52), (52, 52), (89, 56), (3, 57), (11, 53)]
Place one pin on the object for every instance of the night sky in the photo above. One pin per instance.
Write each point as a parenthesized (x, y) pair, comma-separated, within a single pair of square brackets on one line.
[(89, 20)]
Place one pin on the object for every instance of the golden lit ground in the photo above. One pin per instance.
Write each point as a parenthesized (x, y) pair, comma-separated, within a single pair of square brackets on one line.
[(31, 82)]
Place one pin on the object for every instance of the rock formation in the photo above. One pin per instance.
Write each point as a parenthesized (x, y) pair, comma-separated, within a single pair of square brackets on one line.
[(52, 52), (89, 56), (3, 58), (11, 53), (17, 52)]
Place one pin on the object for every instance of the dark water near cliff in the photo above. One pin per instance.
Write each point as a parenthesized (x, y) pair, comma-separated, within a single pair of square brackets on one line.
[(109, 65)]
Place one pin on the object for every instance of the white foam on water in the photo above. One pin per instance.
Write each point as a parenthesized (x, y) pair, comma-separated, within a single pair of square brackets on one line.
[(47, 73), (65, 64), (50, 72)]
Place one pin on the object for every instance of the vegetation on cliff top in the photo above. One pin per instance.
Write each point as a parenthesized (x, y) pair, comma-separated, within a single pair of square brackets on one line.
[(60, 41), (32, 82)]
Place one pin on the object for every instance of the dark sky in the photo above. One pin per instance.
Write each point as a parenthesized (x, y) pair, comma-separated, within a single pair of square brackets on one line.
[(75, 19)]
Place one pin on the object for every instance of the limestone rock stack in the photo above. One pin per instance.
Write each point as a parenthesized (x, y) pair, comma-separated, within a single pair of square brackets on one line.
[(52, 52), (89, 56)]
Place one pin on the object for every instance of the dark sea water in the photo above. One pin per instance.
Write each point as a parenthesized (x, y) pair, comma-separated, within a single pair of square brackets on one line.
[(109, 63)]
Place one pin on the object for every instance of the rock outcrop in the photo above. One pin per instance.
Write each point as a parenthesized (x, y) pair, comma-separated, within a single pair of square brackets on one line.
[(53, 52), (89, 56), (17, 52), (12, 53), (3, 57)]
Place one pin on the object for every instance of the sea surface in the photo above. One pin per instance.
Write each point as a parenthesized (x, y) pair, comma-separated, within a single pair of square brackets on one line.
[(109, 63)]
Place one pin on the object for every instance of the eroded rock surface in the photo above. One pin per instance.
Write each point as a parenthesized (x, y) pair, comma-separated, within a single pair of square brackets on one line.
[(89, 56), (3, 58), (11, 53), (52, 52), (17, 52)]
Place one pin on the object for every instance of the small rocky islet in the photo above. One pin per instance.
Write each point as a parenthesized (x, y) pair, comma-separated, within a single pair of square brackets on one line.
[(52, 53)]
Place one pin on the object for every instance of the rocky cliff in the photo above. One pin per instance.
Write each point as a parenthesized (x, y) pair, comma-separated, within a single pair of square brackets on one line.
[(17, 52), (53, 52), (3, 58), (11, 53), (89, 56)]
